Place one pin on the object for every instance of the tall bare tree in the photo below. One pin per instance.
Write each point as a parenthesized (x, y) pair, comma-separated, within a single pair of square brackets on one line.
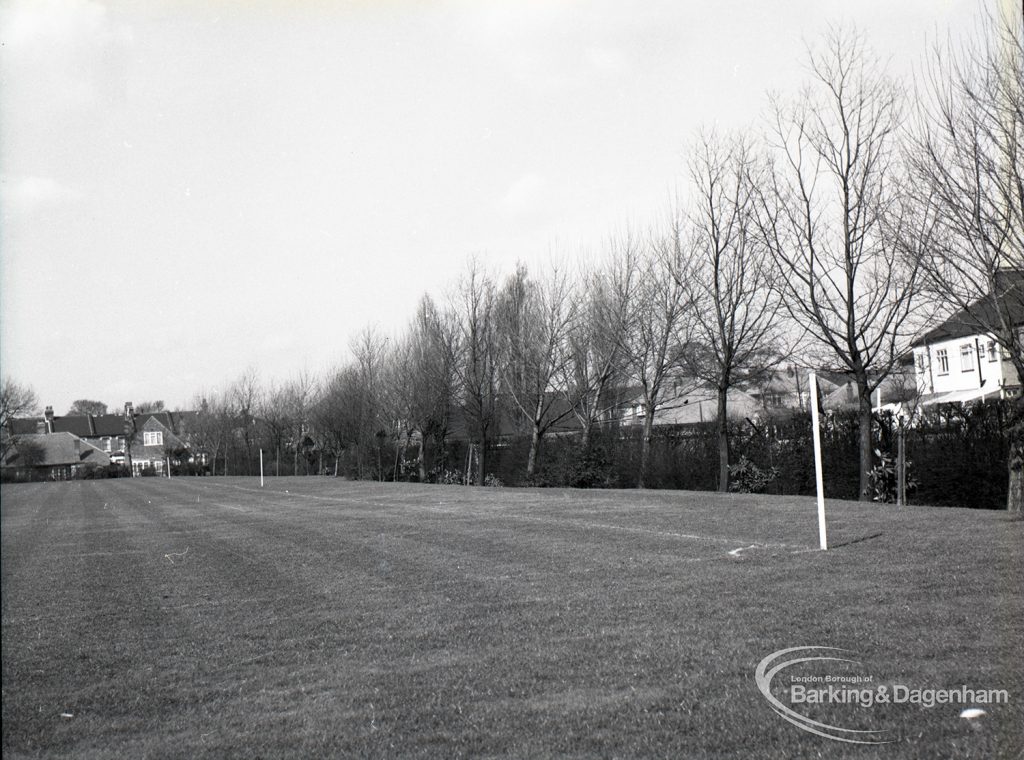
[(338, 413), (243, 401), (16, 400), (470, 340), (645, 280), (369, 349), (283, 411), (533, 320), (737, 333), (211, 431), (833, 212), (592, 368), (967, 161), (428, 382)]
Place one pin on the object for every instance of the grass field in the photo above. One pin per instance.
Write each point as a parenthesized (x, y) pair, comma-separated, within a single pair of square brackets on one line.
[(205, 617)]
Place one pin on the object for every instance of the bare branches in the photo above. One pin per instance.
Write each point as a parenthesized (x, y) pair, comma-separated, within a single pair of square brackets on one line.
[(731, 281), (967, 162), (16, 400), (830, 213)]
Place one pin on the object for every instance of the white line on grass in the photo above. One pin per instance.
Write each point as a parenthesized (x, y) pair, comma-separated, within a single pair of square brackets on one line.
[(550, 521)]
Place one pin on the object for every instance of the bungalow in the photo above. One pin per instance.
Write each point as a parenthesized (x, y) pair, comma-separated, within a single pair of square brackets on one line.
[(55, 456)]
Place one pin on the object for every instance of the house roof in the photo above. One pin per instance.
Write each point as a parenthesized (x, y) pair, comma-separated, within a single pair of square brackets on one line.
[(701, 405), (895, 385), (982, 315), (57, 449), (25, 426), (90, 426), (793, 380), (101, 425)]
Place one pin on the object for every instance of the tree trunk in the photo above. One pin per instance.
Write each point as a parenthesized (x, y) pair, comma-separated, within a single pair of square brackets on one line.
[(645, 447), (421, 459), (1015, 495), (531, 462), (481, 465), (723, 440), (866, 454)]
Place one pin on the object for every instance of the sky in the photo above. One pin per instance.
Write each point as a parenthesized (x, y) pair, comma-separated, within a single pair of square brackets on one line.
[(191, 191)]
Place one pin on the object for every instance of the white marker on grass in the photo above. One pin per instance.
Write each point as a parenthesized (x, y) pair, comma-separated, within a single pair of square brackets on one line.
[(818, 479), (261, 468)]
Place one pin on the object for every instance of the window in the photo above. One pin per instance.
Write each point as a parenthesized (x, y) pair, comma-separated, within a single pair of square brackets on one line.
[(107, 444), (919, 362), (993, 351), (966, 357), (942, 358), (153, 439)]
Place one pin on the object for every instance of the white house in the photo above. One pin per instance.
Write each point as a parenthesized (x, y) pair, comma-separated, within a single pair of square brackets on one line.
[(960, 361)]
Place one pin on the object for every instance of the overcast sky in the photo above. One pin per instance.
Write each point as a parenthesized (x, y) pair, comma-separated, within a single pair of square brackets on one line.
[(189, 190)]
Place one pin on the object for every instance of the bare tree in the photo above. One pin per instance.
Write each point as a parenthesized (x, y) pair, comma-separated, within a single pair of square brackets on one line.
[(967, 161), (336, 415), (369, 349), (591, 369), (421, 383), (737, 332), (16, 400), (648, 300), (211, 430), (283, 411), (833, 213), (534, 318), (243, 401), (470, 341)]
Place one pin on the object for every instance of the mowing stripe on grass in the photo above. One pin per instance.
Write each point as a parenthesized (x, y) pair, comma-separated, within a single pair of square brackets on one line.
[(519, 516)]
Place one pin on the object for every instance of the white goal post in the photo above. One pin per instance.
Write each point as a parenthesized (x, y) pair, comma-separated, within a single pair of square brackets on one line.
[(818, 479)]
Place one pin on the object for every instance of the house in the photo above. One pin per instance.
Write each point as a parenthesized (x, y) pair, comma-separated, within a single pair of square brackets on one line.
[(52, 456), (896, 392), (961, 361), (789, 387), (153, 436), (684, 401)]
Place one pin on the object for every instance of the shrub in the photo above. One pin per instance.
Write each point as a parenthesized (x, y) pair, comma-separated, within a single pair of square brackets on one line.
[(747, 477), (884, 479)]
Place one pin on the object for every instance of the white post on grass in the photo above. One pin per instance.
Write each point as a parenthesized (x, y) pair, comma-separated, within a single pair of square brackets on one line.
[(261, 468), (818, 479), (168, 468)]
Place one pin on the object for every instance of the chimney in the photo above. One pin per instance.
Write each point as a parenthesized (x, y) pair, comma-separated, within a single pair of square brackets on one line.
[(129, 420), (48, 414)]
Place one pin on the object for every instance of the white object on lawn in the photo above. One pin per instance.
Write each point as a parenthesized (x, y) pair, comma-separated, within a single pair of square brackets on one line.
[(818, 478), (972, 712)]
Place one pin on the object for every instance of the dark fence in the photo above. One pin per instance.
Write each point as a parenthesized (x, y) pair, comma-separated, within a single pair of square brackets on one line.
[(957, 456)]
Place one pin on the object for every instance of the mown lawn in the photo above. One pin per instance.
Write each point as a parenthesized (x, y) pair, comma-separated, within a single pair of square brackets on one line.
[(205, 617)]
